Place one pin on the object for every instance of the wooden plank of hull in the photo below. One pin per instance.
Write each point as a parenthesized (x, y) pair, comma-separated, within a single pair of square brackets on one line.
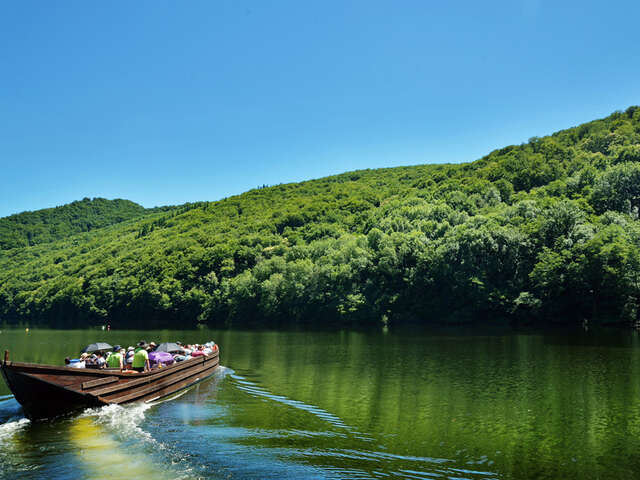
[(97, 382), (181, 385), (131, 380), (147, 390), (46, 390), (43, 399)]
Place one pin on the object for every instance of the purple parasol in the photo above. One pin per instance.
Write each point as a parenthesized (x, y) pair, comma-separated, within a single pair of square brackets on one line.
[(161, 357)]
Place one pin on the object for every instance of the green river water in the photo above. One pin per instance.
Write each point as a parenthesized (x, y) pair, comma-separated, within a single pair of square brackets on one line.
[(347, 404)]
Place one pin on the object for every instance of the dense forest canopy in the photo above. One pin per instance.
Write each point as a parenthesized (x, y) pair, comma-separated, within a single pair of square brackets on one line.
[(544, 231), (51, 224)]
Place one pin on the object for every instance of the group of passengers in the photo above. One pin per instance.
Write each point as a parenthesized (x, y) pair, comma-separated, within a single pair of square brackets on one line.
[(141, 358)]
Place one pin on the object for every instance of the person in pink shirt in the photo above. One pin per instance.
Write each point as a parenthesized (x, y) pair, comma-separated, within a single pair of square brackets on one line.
[(199, 352)]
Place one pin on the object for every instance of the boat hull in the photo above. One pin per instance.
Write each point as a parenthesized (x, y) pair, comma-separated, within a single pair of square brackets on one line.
[(44, 400), (46, 391)]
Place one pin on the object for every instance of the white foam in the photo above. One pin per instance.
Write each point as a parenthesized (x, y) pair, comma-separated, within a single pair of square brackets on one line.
[(102, 439), (121, 420), (8, 429), (124, 420)]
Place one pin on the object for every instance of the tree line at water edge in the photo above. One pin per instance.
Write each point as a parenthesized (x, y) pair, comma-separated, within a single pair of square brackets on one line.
[(544, 231)]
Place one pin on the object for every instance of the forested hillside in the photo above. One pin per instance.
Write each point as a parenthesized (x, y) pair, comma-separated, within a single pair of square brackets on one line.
[(544, 231), (43, 226)]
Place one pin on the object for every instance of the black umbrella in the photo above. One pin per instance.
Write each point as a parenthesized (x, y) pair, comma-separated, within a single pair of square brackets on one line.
[(97, 347), (169, 347)]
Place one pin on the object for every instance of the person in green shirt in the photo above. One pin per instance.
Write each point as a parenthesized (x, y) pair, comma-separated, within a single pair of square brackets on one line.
[(115, 360), (141, 360), (141, 346)]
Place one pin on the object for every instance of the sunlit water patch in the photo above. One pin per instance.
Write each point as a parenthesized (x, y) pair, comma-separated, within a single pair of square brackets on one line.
[(111, 439)]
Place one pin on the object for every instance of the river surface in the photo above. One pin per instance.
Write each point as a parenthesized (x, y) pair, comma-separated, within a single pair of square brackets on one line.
[(346, 405)]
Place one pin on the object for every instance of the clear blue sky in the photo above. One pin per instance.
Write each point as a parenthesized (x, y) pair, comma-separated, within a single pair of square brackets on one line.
[(168, 102)]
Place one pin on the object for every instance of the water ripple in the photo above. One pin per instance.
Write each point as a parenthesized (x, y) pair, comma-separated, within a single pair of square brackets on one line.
[(253, 389)]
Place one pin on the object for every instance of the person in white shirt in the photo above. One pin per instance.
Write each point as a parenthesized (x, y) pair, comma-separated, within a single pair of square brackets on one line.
[(100, 361), (75, 362)]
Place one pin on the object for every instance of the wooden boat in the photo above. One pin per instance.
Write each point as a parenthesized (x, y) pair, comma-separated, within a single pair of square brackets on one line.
[(46, 391)]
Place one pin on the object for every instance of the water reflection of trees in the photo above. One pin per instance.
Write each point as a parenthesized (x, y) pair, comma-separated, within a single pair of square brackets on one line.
[(528, 406)]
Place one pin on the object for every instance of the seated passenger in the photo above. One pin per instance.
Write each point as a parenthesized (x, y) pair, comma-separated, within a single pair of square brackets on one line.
[(199, 352), (76, 362), (129, 356), (116, 349), (100, 361), (141, 360), (90, 360), (116, 359)]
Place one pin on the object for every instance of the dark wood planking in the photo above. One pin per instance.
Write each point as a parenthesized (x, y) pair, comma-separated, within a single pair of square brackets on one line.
[(137, 393), (180, 385), (130, 380), (119, 396), (47, 390), (99, 381)]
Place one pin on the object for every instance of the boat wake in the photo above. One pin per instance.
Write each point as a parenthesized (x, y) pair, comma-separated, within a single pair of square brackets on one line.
[(396, 466), (112, 438), (129, 439), (12, 424), (10, 428), (10, 416), (350, 453), (123, 421), (253, 389)]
